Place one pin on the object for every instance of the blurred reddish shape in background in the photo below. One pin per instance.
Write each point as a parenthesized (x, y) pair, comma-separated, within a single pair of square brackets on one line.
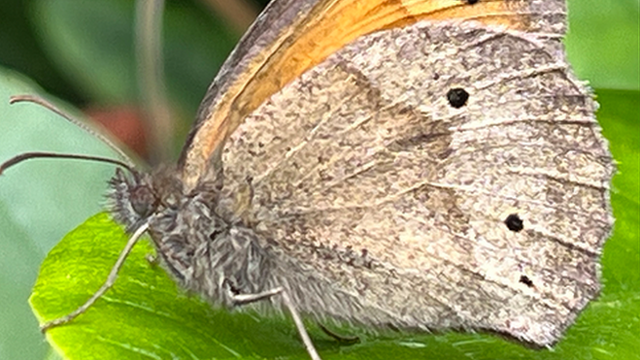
[(125, 123)]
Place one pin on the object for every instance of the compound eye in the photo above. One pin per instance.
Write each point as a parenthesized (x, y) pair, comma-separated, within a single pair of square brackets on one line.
[(143, 201)]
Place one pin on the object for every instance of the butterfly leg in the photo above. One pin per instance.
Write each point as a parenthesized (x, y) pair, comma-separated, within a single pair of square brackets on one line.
[(242, 299), (338, 337), (111, 279)]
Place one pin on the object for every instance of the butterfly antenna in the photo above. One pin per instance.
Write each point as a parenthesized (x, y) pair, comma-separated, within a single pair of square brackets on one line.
[(33, 155), (127, 163), (44, 103)]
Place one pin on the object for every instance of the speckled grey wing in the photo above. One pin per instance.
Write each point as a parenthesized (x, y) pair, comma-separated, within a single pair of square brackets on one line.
[(364, 171)]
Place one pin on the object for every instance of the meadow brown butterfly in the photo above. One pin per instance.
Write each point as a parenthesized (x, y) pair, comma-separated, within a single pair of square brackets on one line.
[(419, 164)]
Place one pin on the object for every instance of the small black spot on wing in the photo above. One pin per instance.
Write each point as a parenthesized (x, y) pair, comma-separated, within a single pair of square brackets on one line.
[(525, 280), (457, 97), (514, 223)]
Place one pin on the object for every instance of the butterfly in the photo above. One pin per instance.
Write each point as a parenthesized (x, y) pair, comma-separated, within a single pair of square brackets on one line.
[(415, 164)]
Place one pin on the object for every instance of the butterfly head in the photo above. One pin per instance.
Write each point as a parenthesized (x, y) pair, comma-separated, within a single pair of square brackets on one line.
[(136, 197)]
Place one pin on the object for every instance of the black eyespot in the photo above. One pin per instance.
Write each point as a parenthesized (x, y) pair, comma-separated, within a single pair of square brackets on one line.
[(457, 97), (525, 280), (471, 2), (514, 223)]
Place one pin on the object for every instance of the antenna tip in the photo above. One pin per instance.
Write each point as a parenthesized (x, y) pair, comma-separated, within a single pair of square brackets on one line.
[(15, 98), (24, 97)]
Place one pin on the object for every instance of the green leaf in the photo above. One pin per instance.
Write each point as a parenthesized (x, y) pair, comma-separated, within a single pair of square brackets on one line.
[(619, 117), (145, 316)]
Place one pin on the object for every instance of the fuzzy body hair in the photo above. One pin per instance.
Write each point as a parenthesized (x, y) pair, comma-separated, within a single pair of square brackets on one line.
[(215, 256)]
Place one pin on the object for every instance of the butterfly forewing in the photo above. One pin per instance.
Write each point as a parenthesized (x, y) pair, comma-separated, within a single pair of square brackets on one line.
[(364, 172), (291, 37)]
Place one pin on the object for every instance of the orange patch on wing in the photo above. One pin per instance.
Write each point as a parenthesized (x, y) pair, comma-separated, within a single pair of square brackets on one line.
[(329, 26)]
